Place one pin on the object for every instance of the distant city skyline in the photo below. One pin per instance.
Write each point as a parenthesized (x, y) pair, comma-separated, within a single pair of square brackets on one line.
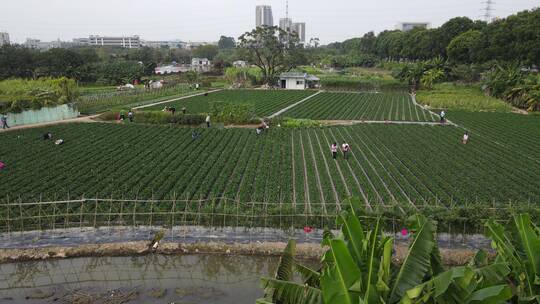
[(207, 20)]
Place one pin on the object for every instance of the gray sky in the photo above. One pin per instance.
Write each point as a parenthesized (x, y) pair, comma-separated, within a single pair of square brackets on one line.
[(206, 20)]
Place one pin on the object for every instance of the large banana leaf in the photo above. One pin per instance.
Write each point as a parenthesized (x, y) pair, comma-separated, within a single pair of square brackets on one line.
[(459, 285), (530, 243), (286, 262), (286, 292), (491, 295), (373, 261), (354, 235), (520, 248), (417, 261), (339, 276)]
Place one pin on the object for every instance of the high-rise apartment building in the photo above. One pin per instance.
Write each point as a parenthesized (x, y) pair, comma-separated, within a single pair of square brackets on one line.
[(4, 38), (263, 16), (300, 29), (285, 24)]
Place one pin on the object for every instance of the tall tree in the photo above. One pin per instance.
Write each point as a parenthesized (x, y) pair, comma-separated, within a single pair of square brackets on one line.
[(226, 42), (271, 49), (16, 61), (206, 51)]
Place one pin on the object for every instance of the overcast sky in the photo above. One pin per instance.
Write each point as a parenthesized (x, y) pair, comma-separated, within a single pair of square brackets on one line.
[(206, 20)]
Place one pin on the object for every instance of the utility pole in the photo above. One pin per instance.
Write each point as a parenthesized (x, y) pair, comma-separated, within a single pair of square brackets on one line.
[(487, 10)]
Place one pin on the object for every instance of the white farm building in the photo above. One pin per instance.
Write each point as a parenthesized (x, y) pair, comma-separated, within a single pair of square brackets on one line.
[(298, 81)]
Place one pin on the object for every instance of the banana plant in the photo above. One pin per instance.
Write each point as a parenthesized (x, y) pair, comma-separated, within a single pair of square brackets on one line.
[(519, 247), (357, 267), (479, 282)]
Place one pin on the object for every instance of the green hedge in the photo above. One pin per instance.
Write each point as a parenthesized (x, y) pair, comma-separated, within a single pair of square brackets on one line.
[(159, 118)]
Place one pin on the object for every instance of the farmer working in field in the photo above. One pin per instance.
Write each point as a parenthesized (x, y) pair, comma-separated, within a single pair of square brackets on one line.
[(4, 122), (47, 136), (346, 148), (130, 116), (443, 116), (465, 137), (334, 148), (208, 121)]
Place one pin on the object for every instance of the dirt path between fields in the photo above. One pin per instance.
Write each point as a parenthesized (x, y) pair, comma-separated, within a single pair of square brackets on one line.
[(386, 122), (294, 105), (176, 99), (51, 123)]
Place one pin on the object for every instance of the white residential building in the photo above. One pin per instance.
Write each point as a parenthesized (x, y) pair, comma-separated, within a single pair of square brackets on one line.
[(407, 26), (201, 65), (239, 64), (46, 45), (263, 16), (4, 38)]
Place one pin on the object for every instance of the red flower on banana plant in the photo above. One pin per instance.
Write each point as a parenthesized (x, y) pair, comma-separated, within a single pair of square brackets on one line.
[(308, 229)]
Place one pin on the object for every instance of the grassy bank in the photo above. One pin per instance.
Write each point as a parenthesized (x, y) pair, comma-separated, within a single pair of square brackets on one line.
[(460, 97)]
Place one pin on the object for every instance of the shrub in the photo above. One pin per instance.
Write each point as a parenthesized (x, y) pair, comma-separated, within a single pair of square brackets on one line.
[(159, 118), (18, 95)]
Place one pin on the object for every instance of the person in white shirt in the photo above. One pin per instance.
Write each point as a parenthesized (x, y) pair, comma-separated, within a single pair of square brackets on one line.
[(334, 148), (443, 114), (208, 121), (345, 148), (465, 137)]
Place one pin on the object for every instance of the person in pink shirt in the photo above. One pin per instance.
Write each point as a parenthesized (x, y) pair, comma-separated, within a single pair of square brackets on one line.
[(334, 148)]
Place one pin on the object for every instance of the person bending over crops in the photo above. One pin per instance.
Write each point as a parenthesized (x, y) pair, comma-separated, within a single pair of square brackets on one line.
[(465, 137), (47, 136), (333, 148), (59, 142), (346, 148), (195, 135)]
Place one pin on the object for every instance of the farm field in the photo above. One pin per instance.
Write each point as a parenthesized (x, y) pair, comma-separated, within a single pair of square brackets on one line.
[(360, 106), (107, 100), (390, 165), (265, 102), (516, 132)]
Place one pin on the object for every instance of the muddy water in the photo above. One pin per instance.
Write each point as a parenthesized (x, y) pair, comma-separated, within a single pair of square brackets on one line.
[(143, 279)]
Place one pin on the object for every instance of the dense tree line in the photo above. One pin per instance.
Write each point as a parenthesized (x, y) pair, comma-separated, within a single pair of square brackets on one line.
[(460, 40), (103, 65)]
